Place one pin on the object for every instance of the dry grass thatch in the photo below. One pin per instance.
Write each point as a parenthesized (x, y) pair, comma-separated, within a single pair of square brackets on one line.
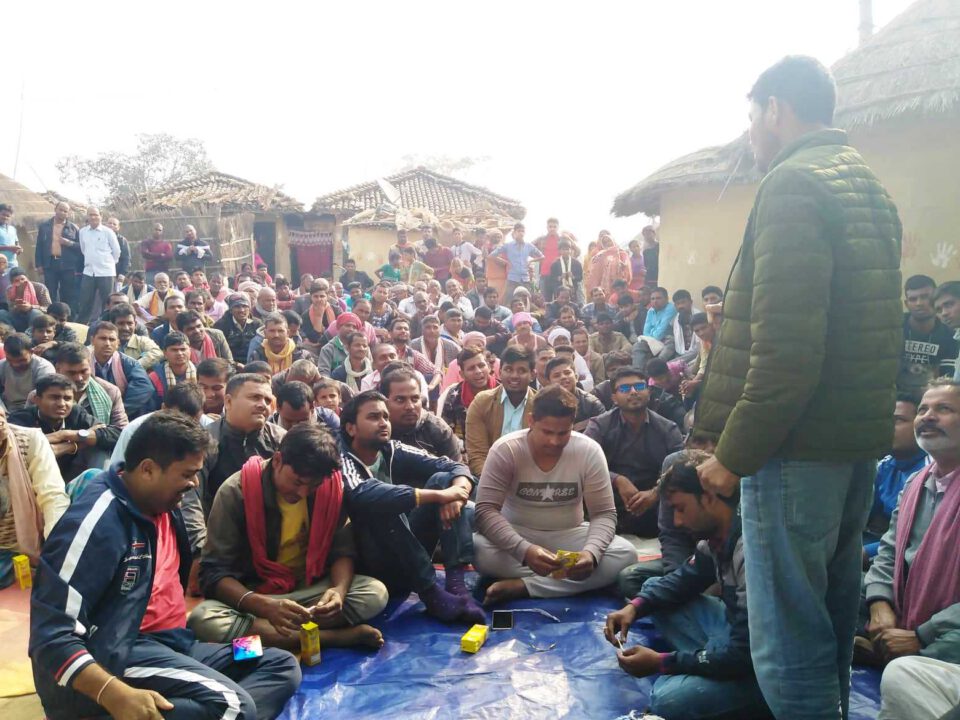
[(910, 69), (28, 206), (420, 188)]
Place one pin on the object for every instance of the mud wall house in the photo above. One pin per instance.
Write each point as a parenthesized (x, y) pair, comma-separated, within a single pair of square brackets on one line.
[(898, 99), (29, 210), (238, 218), (363, 222)]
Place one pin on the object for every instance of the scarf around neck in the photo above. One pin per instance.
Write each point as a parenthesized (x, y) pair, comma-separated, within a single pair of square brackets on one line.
[(321, 321), (171, 378), (27, 517), (353, 376), (282, 360), (327, 501), (207, 350), (101, 406), (933, 582)]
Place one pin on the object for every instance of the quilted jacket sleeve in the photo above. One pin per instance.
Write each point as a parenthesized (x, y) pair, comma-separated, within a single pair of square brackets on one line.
[(793, 268)]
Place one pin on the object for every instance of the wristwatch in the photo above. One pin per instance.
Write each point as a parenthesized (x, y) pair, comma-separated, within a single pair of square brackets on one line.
[(83, 434)]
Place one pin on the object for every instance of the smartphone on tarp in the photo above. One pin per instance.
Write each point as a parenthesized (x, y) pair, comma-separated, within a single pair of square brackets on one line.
[(502, 619)]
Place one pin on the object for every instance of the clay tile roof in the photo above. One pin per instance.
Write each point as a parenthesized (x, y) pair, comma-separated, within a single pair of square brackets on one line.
[(228, 191), (419, 188)]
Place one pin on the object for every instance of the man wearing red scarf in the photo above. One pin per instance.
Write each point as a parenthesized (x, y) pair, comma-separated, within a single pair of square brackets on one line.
[(280, 552), (457, 398), (913, 587)]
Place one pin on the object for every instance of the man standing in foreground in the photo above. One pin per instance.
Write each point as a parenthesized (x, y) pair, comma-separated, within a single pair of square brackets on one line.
[(798, 416)]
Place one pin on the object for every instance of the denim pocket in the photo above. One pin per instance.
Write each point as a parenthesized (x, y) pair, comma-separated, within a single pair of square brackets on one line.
[(813, 495)]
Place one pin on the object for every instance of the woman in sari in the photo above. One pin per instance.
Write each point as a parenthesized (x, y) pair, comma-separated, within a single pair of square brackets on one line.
[(638, 268), (495, 267), (609, 263)]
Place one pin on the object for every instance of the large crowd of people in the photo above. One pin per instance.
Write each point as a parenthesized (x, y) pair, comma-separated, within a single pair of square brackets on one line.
[(302, 450)]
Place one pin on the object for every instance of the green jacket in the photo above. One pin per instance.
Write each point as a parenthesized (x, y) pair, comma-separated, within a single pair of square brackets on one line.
[(806, 359)]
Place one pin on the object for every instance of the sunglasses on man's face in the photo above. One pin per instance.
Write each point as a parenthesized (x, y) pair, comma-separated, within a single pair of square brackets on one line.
[(627, 387)]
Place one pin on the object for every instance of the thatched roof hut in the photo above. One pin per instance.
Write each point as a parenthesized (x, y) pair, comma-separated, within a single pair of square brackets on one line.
[(29, 209), (28, 206), (908, 70)]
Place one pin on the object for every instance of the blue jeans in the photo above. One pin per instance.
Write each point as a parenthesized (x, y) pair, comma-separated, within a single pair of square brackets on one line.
[(698, 625), (398, 549), (802, 525)]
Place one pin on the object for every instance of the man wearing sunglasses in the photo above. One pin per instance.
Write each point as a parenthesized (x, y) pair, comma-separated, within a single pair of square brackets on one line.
[(635, 441)]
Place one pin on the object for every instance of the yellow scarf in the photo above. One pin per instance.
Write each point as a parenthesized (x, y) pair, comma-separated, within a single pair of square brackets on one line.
[(279, 361)]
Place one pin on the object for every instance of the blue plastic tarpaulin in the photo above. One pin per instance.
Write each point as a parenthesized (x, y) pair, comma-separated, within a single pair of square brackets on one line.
[(422, 673)]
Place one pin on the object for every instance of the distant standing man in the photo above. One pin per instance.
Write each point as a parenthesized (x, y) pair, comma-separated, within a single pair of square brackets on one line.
[(101, 252), (9, 242), (799, 418), (519, 255), (123, 264), (157, 253), (191, 251), (57, 257)]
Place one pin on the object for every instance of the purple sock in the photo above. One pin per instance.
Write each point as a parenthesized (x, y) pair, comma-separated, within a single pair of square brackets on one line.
[(441, 604), (454, 583), (473, 613)]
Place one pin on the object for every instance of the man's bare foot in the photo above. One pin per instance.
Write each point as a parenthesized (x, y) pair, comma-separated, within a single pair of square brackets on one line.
[(352, 636), (503, 590)]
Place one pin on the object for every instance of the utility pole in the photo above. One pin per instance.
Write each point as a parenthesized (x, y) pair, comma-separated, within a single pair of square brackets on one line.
[(866, 20)]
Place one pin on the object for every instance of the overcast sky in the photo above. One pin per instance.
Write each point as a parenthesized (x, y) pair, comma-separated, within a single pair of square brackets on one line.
[(572, 102)]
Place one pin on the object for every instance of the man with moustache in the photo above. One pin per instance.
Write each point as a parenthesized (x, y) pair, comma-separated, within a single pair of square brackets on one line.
[(912, 589)]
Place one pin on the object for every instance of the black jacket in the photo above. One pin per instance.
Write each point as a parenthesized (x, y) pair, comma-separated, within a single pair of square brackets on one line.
[(123, 264), (432, 435), (233, 449), (70, 257), (238, 338), (638, 457)]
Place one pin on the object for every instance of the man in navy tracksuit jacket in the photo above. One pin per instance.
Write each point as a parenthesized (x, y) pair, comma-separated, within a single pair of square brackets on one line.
[(107, 622), (398, 497)]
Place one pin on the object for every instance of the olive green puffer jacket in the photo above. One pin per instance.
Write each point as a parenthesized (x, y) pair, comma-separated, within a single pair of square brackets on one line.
[(806, 360)]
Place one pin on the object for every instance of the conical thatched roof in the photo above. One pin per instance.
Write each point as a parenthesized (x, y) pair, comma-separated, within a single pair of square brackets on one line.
[(910, 69), (27, 205)]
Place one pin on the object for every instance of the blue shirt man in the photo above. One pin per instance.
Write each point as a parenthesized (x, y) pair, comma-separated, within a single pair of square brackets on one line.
[(660, 315), (8, 236), (519, 254)]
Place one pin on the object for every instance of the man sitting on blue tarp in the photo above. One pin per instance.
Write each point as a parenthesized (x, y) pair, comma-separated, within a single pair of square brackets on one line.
[(710, 673)]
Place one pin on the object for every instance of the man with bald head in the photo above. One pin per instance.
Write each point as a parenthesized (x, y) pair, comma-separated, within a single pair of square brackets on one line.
[(101, 253), (192, 251), (57, 257), (157, 253), (266, 303)]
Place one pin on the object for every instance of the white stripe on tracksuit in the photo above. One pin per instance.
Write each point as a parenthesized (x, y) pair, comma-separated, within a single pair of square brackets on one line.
[(229, 696), (70, 562)]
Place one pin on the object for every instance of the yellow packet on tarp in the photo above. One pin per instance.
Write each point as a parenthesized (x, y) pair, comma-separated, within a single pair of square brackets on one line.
[(474, 638), (310, 644)]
